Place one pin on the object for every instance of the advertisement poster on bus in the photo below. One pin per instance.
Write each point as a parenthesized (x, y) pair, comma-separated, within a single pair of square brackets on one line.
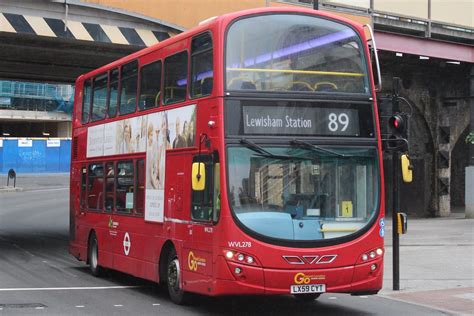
[(154, 134), (161, 136)]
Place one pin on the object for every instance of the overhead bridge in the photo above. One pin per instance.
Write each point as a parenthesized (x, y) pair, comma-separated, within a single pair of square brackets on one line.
[(56, 41)]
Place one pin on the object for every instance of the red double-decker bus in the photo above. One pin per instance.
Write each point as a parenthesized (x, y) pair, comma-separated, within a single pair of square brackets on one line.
[(240, 157)]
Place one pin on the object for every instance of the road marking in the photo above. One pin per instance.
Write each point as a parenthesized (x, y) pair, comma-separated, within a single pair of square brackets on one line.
[(363, 296), (118, 305), (47, 190), (332, 298), (69, 288), (156, 304), (79, 306), (39, 307), (59, 268)]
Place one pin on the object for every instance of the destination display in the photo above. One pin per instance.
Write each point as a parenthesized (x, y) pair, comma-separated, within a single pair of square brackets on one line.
[(266, 120)]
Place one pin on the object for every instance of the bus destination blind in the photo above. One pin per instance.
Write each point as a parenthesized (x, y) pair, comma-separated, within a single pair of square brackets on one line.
[(266, 120)]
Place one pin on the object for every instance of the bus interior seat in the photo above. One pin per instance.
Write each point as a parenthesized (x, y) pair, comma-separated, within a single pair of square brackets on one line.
[(241, 83), (157, 98), (300, 86), (206, 85)]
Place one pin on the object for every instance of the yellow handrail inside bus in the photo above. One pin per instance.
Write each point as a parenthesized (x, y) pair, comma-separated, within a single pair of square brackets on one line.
[(325, 83), (308, 72)]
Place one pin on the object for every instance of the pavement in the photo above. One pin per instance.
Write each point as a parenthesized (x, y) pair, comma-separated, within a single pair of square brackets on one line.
[(436, 255), (36, 181), (436, 264)]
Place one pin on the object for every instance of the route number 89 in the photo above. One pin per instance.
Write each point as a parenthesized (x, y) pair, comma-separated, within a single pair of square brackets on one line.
[(338, 122)]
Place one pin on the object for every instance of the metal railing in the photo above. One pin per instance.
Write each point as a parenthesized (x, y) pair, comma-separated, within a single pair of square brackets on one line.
[(423, 15)]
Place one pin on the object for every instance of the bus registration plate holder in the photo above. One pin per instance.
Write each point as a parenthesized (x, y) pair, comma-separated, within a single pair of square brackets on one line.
[(307, 288)]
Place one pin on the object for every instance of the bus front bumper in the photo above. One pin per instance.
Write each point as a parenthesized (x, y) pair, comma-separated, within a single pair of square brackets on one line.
[(237, 279)]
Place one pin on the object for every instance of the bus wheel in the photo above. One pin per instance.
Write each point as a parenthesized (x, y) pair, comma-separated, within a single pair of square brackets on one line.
[(93, 256), (173, 279), (307, 298)]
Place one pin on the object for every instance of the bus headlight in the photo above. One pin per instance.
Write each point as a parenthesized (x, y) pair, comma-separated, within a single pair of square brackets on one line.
[(241, 258)]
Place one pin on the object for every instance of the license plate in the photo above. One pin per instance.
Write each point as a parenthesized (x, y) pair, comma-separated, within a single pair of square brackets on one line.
[(307, 288)]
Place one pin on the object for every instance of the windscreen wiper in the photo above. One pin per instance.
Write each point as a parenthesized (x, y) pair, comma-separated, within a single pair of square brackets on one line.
[(262, 151), (297, 142)]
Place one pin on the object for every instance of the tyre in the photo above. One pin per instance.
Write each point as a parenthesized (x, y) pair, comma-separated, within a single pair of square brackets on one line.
[(173, 280), (93, 256), (307, 298)]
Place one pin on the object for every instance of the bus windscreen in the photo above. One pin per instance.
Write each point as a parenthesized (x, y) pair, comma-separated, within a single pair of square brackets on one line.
[(303, 54)]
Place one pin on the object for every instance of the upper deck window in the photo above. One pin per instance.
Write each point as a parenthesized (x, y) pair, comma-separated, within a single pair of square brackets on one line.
[(99, 100), (128, 88), (201, 66), (150, 85), (176, 78), (86, 101), (302, 54), (113, 93)]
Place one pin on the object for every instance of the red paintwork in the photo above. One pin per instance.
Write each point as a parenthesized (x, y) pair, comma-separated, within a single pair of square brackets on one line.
[(272, 275)]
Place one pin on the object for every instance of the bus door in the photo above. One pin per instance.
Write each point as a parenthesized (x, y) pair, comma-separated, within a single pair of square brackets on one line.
[(203, 210)]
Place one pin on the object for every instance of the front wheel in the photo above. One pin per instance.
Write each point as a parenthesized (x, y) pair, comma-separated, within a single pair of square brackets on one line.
[(173, 279), (93, 257)]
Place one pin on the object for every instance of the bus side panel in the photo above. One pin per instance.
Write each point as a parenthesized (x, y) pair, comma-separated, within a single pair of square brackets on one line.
[(74, 201)]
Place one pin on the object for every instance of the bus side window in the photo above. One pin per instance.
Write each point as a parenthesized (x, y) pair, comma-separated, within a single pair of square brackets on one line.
[(201, 66), (95, 187), (150, 86), (124, 194), (128, 88), (205, 204), (109, 187), (86, 101), (140, 187), (112, 98), (176, 78), (83, 187), (99, 97)]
